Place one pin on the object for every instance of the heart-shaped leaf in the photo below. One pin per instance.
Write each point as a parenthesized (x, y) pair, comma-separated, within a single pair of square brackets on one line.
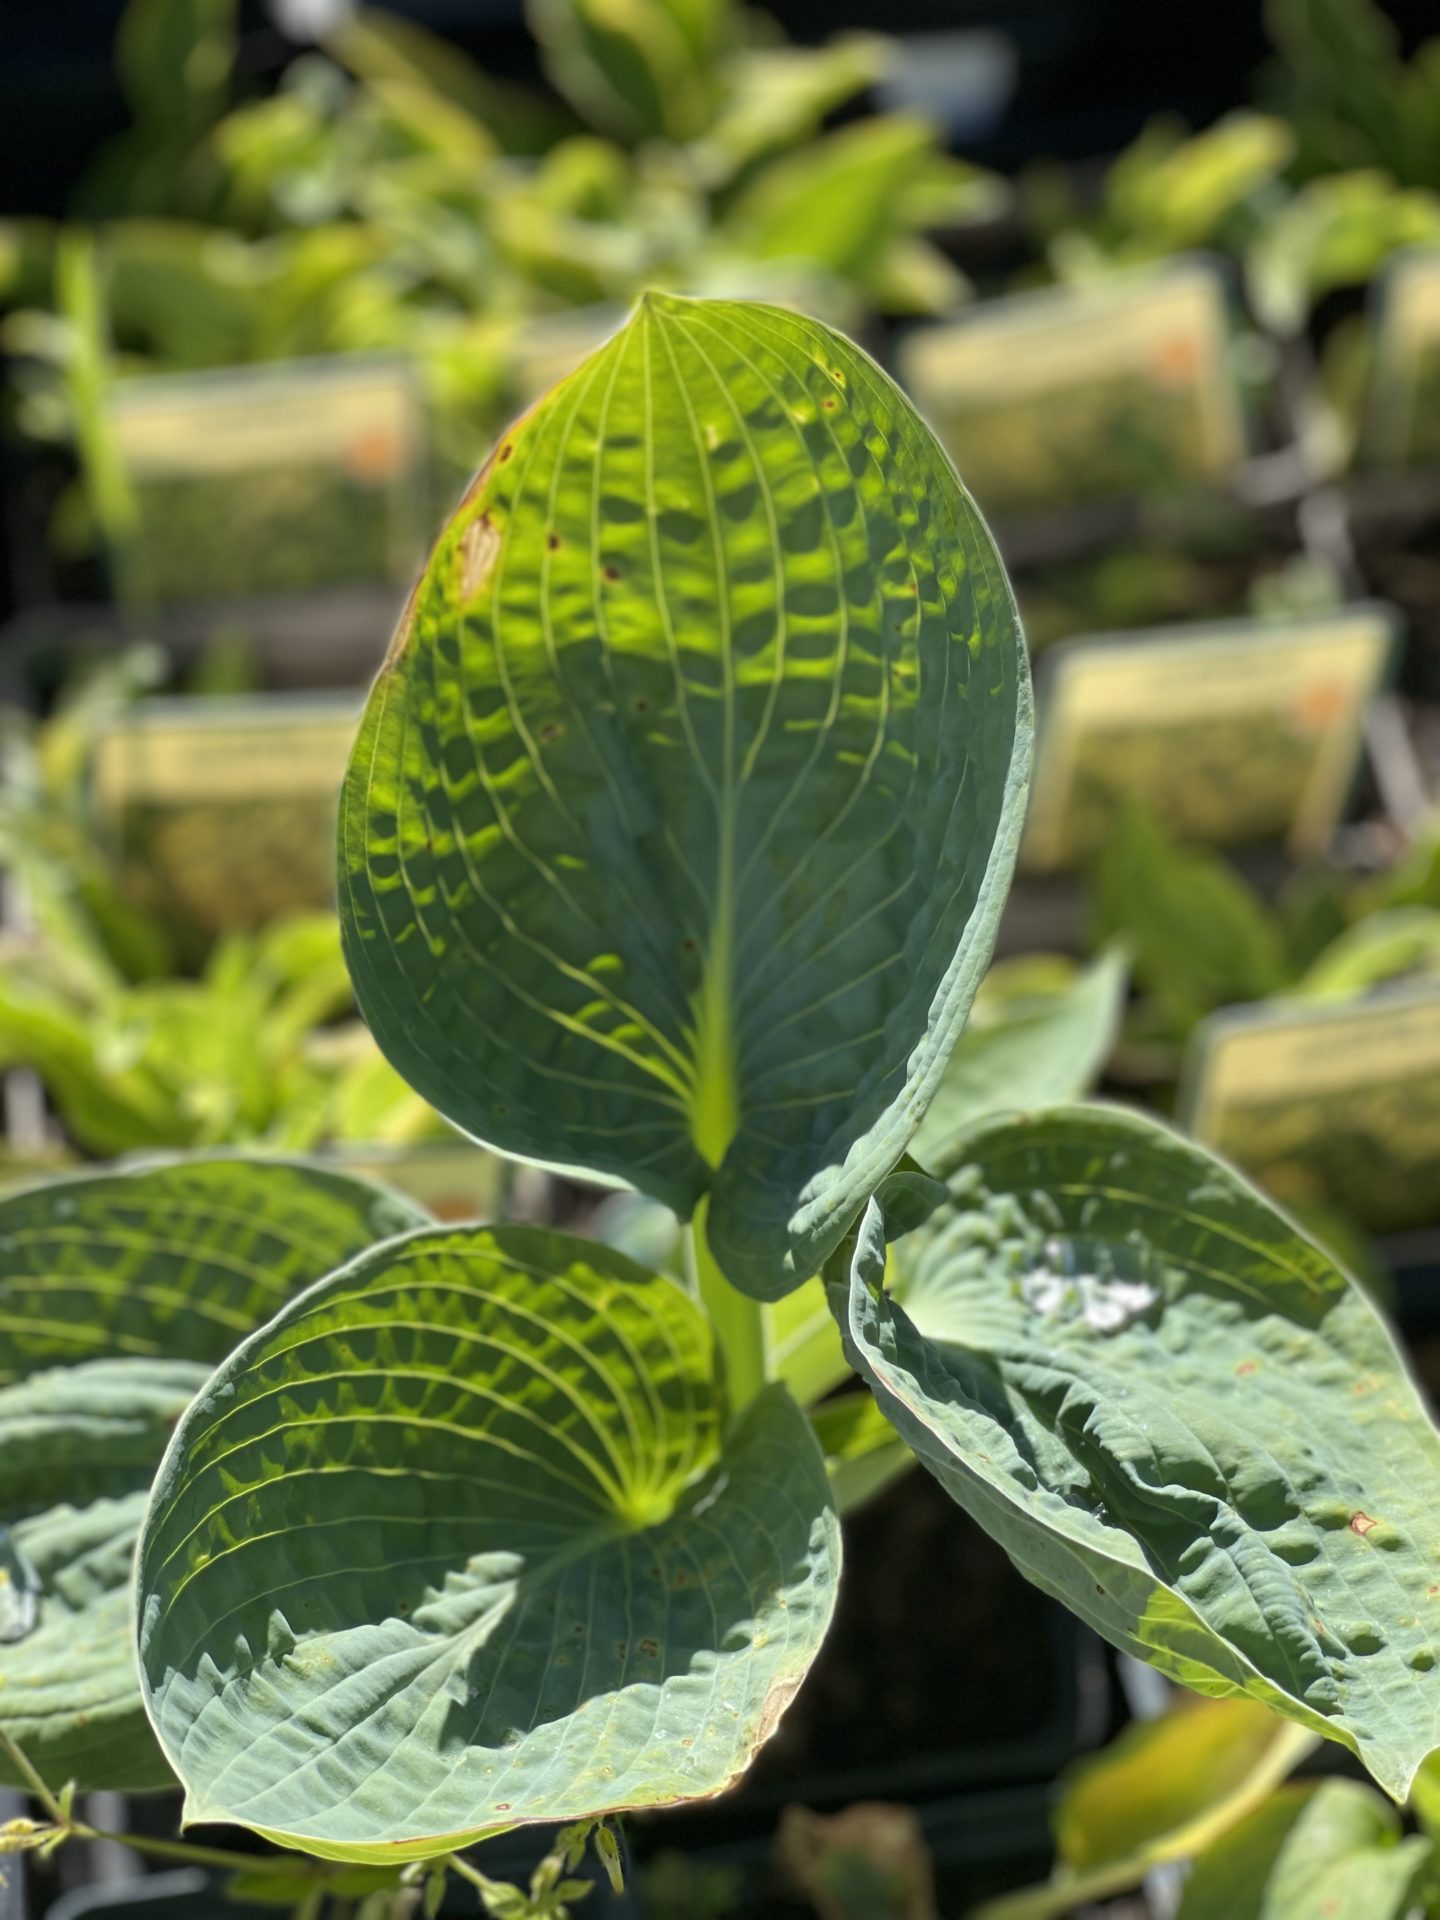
[(1177, 1415), (118, 1292), (456, 1543), (683, 809)]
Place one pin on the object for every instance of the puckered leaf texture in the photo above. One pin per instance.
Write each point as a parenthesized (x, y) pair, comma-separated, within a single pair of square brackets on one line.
[(118, 1293), (460, 1541), (680, 819), (1177, 1415)]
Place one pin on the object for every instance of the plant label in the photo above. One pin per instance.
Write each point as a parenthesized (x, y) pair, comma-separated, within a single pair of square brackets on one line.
[(223, 811), (270, 480), (1335, 1105), (1246, 730), (1110, 390)]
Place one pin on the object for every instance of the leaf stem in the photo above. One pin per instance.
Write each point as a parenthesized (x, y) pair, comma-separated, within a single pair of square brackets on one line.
[(49, 1801), (56, 1806), (194, 1856), (737, 1319)]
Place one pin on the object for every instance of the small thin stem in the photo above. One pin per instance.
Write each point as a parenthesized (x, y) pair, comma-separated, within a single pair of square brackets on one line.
[(200, 1856), (33, 1781), (139, 1842), (739, 1327), (481, 1881)]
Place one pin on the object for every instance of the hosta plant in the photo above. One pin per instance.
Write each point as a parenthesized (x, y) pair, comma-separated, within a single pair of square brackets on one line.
[(672, 852)]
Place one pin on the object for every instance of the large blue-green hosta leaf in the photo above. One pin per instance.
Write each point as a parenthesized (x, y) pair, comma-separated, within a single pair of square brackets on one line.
[(457, 1542), (118, 1293), (683, 809), (1177, 1415)]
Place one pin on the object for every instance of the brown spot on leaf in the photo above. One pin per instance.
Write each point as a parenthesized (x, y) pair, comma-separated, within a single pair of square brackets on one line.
[(650, 1647), (776, 1701), (479, 549), (612, 574), (1248, 1366), (1361, 1523), (553, 542)]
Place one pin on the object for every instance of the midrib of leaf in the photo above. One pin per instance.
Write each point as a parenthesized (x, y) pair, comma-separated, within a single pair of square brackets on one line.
[(715, 1092)]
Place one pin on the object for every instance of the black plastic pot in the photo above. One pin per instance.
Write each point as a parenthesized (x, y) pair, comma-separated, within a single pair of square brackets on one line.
[(1414, 1263), (944, 1670), (980, 1846)]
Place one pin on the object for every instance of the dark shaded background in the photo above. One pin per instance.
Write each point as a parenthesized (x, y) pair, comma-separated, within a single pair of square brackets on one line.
[(1091, 72)]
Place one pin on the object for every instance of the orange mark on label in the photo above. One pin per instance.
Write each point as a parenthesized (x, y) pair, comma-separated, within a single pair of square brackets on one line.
[(1361, 1523), (1320, 706), (375, 455), (1175, 360)]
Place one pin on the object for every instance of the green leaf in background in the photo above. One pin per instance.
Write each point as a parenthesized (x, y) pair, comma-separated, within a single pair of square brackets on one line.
[(566, 1589), (833, 203), (638, 68), (1393, 944), (1328, 1851), (1335, 232), (1350, 97), (174, 60), (682, 812), (1199, 937), (1177, 1416), (1039, 1035), (118, 1293), (778, 96), (863, 1452), (1163, 1791), (382, 47), (1178, 192)]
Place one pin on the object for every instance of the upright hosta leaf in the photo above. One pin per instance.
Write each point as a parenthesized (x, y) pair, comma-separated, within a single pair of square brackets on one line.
[(455, 1543), (118, 1292), (1178, 1416), (684, 806)]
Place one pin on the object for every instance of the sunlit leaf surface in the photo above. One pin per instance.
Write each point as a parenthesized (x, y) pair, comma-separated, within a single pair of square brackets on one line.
[(118, 1292), (683, 809), (457, 1542), (1178, 1416)]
